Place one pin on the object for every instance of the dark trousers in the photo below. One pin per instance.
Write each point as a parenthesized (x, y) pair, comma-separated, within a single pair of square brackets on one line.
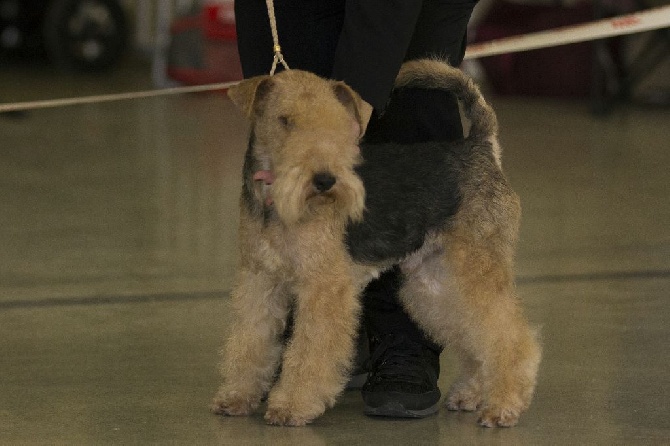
[(362, 42)]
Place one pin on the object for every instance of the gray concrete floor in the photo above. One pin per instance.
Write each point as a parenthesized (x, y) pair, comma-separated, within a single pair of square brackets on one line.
[(117, 235)]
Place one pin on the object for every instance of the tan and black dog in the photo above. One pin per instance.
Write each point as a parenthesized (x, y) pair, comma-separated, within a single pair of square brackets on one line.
[(322, 214)]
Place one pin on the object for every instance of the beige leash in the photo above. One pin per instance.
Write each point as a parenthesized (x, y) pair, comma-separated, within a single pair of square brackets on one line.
[(278, 57)]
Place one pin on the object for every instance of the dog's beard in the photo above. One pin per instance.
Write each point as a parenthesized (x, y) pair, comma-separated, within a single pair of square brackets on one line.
[(296, 200)]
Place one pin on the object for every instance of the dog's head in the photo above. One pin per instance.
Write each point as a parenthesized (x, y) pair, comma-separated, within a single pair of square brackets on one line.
[(306, 133)]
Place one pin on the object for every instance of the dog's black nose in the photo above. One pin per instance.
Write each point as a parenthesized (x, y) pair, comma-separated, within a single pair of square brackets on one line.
[(323, 181)]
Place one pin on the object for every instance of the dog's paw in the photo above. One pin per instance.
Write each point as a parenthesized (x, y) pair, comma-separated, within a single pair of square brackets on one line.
[(464, 397), (285, 411), (280, 416), (492, 416), (233, 404)]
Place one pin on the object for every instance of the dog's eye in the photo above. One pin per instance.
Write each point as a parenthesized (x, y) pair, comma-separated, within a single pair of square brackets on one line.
[(285, 121)]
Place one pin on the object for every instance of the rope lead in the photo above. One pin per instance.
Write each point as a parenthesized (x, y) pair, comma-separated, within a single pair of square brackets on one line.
[(278, 57)]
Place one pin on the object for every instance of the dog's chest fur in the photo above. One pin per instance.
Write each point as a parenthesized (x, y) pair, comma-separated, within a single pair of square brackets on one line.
[(410, 191)]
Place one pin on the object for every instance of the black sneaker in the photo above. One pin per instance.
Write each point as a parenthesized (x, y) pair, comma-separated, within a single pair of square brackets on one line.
[(403, 378)]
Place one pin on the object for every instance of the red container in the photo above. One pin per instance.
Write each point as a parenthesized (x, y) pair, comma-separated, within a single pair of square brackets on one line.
[(204, 47), (219, 21)]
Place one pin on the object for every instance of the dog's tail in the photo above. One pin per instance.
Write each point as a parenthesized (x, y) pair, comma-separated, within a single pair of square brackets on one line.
[(432, 73)]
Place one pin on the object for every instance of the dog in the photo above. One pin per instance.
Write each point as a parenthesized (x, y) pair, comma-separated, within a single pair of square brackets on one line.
[(322, 213)]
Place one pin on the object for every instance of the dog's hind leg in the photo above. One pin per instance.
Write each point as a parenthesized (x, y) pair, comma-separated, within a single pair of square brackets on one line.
[(253, 349), (430, 295), (317, 359), (493, 334), (494, 331), (463, 295)]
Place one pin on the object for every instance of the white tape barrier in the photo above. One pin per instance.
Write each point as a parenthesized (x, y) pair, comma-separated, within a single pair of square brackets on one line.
[(647, 20)]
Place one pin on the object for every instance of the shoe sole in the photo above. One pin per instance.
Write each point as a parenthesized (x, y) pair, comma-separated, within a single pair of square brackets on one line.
[(394, 409)]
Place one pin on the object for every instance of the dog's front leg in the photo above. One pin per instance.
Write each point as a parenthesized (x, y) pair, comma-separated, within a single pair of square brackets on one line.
[(317, 359), (253, 349)]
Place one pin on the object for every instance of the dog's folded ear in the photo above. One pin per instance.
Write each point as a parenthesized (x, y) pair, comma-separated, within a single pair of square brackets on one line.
[(352, 102), (250, 93)]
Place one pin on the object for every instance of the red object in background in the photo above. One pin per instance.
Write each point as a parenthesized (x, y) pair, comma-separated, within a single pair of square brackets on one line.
[(219, 21), (559, 71), (204, 47)]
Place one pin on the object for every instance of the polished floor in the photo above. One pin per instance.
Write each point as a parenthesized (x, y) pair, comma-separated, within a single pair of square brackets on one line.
[(117, 249)]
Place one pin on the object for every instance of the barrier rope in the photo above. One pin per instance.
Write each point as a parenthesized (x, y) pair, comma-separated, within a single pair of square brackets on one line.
[(655, 18), (49, 103)]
